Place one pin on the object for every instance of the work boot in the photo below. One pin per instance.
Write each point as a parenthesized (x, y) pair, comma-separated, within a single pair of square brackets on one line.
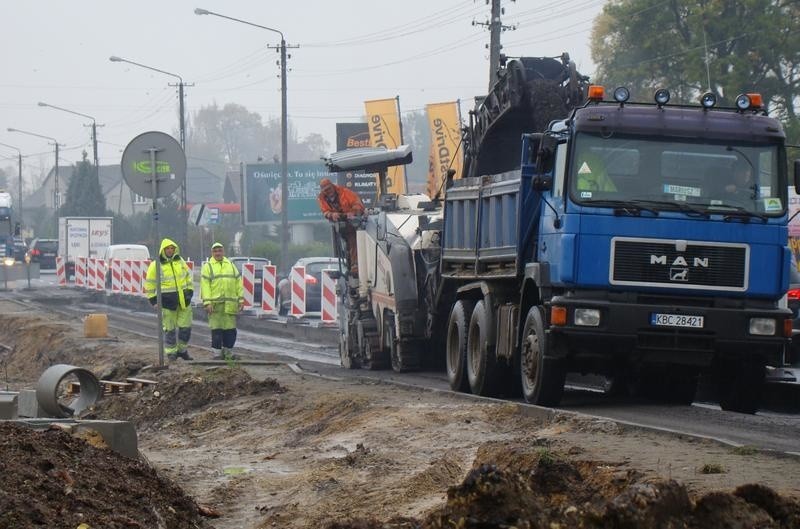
[(185, 355), (217, 355)]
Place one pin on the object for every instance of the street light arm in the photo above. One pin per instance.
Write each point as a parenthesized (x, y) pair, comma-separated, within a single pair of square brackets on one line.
[(114, 58), (12, 147), (67, 110), (199, 11), (33, 134)]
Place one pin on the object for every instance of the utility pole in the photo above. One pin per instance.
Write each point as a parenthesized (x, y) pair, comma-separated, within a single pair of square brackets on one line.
[(182, 127), (496, 27)]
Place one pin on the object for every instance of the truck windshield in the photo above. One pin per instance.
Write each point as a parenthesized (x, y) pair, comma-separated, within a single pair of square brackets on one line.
[(711, 178)]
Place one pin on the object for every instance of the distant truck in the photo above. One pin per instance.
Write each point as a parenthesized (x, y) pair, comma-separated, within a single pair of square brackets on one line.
[(83, 237), (5, 205)]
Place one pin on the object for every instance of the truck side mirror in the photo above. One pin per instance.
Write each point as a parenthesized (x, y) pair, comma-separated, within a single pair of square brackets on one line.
[(542, 183), (797, 176)]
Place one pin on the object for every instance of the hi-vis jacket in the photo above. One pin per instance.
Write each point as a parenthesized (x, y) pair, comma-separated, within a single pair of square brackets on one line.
[(176, 280), (221, 282)]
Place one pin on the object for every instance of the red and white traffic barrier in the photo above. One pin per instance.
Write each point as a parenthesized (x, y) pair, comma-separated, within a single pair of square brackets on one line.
[(269, 283), (91, 272), (61, 272), (116, 276), (249, 284), (100, 275), (80, 271), (126, 276), (136, 277), (328, 298), (297, 280)]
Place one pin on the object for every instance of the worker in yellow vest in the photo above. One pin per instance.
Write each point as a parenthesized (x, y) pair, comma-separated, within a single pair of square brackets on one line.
[(223, 298)]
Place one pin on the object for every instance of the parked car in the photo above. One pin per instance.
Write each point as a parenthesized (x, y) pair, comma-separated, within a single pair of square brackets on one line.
[(123, 252), (260, 262), (314, 267), (44, 251)]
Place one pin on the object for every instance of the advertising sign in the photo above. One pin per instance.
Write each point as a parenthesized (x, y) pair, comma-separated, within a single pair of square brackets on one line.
[(137, 164), (445, 126), (262, 192), (794, 228), (351, 136), (383, 116)]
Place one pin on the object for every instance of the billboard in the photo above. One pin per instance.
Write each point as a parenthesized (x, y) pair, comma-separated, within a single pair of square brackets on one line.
[(352, 136), (262, 192)]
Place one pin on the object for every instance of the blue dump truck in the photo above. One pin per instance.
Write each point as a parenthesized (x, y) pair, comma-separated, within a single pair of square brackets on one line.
[(644, 241)]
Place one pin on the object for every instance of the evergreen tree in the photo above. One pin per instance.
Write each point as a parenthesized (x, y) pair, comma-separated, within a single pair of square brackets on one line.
[(84, 196)]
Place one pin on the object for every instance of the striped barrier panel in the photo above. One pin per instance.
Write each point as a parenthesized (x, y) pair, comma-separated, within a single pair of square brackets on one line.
[(126, 276), (328, 298), (269, 284), (91, 272), (100, 275), (61, 272), (136, 277), (249, 284), (297, 281), (116, 276), (80, 271)]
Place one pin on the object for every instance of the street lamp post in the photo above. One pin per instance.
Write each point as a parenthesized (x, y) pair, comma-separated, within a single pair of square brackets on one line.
[(56, 195), (182, 131), (94, 135), (19, 174), (284, 138)]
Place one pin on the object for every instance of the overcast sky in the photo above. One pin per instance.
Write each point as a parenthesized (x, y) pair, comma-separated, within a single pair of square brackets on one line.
[(425, 51)]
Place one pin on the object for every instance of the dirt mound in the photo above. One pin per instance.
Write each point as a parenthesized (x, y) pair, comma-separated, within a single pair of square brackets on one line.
[(52, 479), (33, 344), (585, 494), (180, 392)]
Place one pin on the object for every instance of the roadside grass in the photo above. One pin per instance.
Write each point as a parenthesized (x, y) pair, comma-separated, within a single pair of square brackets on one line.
[(711, 468), (744, 450)]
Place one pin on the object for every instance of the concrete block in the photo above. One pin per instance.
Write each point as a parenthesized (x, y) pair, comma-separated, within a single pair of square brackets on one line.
[(8, 405), (120, 436), (29, 404)]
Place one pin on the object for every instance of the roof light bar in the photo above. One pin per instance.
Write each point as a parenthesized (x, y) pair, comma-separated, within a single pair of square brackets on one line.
[(662, 97), (621, 94), (596, 93), (708, 100)]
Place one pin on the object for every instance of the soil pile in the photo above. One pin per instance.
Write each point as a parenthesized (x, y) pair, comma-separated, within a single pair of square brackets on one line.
[(52, 479), (180, 392), (563, 494)]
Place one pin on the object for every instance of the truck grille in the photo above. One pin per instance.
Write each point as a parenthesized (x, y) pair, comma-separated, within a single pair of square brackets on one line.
[(679, 264)]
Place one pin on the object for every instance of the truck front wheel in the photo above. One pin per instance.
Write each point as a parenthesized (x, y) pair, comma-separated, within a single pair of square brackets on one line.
[(457, 327), (542, 377)]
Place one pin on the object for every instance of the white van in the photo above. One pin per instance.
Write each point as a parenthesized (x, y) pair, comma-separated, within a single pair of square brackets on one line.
[(136, 252)]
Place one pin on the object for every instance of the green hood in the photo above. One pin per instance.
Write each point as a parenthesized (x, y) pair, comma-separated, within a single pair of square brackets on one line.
[(164, 244)]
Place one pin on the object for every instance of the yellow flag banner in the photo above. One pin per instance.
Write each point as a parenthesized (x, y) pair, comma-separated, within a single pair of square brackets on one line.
[(383, 119), (445, 126), (432, 186)]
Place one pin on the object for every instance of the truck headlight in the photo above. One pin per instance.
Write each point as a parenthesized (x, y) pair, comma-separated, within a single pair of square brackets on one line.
[(762, 326), (8, 261), (587, 317)]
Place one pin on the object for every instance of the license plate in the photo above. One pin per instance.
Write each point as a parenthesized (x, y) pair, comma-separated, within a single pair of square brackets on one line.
[(676, 320)]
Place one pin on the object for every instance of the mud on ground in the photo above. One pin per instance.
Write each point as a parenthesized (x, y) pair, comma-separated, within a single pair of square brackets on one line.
[(267, 448)]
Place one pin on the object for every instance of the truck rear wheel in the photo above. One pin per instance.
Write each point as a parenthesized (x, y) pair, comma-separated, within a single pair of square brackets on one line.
[(482, 368), (741, 385), (457, 328), (542, 378)]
